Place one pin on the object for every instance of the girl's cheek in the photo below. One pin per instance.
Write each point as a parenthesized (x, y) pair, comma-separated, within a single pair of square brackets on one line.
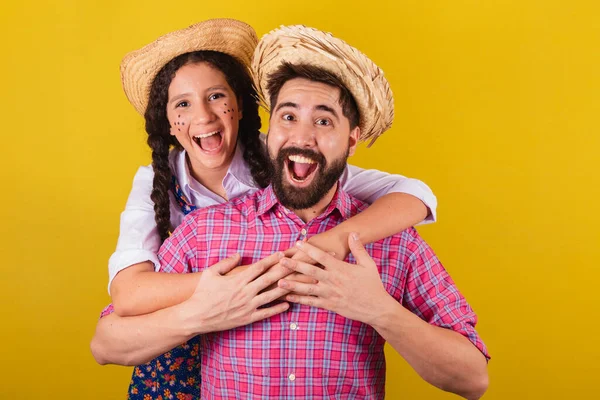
[(228, 111), (179, 125)]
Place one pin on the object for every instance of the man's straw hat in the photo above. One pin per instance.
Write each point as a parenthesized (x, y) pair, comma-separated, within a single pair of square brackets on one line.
[(139, 68), (299, 44)]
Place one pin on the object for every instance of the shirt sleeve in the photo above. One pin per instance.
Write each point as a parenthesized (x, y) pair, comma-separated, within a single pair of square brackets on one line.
[(431, 294), (370, 184), (109, 309), (178, 254), (138, 234)]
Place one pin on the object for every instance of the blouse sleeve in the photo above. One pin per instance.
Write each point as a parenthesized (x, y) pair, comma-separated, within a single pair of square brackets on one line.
[(370, 184), (138, 234)]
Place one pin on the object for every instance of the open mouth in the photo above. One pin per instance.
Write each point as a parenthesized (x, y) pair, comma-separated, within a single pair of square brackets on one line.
[(301, 169), (210, 141)]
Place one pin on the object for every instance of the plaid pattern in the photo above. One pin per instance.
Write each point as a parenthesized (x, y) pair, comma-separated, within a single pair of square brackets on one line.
[(307, 352)]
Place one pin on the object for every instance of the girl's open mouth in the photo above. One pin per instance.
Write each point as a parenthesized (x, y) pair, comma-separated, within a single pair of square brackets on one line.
[(210, 141)]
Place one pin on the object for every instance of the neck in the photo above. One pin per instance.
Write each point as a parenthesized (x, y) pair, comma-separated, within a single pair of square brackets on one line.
[(211, 178), (308, 214)]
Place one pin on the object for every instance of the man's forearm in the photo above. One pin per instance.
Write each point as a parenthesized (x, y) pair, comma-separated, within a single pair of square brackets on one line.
[(138, 339), (442, 357)]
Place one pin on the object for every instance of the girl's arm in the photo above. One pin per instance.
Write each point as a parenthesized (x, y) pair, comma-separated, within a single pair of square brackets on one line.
[(133, 285), (397, 203)]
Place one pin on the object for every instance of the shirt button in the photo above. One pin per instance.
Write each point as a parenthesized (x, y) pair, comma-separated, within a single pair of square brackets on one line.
[(303, 232), (293, 326), (292, 377), (278, 214)]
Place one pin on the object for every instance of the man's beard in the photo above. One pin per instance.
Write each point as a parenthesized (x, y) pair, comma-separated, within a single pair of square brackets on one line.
[(302, 198)]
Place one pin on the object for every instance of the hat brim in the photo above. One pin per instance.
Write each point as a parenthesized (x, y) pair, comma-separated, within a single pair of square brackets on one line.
[(139, 68), (299, 44)]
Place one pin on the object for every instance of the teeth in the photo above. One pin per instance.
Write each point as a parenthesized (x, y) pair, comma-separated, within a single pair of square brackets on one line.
[(301, 159), (205, 135)]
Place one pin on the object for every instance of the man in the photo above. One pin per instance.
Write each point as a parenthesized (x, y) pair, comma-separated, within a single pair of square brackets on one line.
[(324, 97)]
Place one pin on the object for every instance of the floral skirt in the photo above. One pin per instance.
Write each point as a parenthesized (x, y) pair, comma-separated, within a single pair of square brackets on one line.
[(174, 375)]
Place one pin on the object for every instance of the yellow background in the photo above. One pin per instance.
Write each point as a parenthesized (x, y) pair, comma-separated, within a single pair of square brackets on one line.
[(497, 109)]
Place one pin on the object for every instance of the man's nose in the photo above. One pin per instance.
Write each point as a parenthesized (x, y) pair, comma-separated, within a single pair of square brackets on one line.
[(303, 135)]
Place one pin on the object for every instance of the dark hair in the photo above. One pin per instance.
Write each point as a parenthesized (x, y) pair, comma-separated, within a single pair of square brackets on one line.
[(161, 141), (288, 71)]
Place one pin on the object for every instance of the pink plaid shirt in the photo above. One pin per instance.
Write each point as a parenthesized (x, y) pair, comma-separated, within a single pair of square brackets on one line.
[(307, 352)]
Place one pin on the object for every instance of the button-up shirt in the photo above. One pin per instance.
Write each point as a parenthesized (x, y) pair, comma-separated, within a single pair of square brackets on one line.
[(307, 352), (138, 234)]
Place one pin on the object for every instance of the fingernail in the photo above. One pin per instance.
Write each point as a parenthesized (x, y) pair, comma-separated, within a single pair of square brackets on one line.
[(354, 236), (283, 284), (285, 262), (299, 244), (280, 254)]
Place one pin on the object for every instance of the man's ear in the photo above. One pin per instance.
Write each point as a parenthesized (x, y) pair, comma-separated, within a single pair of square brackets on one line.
[(353, 140)]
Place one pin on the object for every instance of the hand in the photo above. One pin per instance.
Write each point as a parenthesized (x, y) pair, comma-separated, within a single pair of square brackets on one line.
[(328, 241), (222, 302), (354, 291)]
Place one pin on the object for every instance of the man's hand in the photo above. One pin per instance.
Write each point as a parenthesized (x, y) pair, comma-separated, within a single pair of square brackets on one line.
[(354, 291), (222, 302)]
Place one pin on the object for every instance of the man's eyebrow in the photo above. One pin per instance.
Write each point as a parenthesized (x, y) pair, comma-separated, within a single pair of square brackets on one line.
[(323, 107), (286, 104), (216, 87)]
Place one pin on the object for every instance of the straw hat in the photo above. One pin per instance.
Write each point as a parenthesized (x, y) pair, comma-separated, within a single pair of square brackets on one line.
[(298, 44), (139, 67)]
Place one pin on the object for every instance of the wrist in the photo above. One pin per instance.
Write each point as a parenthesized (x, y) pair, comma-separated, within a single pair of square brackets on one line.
[(388, 311), (190, 323), (334, 240)]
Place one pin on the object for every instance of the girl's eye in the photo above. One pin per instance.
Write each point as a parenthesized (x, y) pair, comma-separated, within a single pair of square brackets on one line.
[(323, 122), (215, 96), (182, 104)]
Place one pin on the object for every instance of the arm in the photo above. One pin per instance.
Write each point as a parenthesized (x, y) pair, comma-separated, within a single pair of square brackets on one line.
[(134, 287), (137, 340), (138, 289), (443, 357), (397, 204), (219, 302)]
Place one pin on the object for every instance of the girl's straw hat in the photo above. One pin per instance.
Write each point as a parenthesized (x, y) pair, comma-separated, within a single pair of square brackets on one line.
[(139, 67)]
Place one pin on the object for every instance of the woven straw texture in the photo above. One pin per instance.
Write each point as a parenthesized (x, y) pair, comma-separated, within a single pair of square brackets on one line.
[(298, 44), (139, 67)]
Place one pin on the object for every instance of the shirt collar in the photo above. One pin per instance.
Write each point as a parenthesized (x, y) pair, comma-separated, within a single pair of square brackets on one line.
[(342, 202), (238, 169)]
